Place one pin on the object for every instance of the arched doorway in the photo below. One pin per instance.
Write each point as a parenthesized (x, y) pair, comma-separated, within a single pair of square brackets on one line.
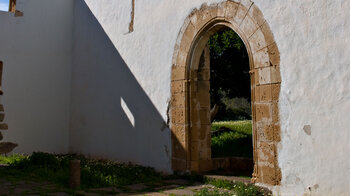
[(190, 101)]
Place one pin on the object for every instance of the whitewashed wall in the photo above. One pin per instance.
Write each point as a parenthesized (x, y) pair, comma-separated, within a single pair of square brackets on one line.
[(121, 83), (37, 53), (314, 41)]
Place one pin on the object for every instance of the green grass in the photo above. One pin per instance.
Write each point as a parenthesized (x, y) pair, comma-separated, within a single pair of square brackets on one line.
[(236, 143), (242, 126), (11, 159), (224, 187), (94, 173)]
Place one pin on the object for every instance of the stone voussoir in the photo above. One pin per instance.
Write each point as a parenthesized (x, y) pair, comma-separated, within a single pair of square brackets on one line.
[(2, 117), (274, 55), (241, 13), (248, 26), (261, 58), (6, 147), (231, 10), (178, 73), (221, 9), (255, 13), (4, 126), (178, 86), (265, 75)]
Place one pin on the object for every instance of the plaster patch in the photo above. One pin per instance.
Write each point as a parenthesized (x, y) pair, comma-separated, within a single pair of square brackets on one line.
[(307, 129)]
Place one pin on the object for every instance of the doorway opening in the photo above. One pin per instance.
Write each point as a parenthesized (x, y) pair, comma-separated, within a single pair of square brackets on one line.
[(190, 105), (230, 103)]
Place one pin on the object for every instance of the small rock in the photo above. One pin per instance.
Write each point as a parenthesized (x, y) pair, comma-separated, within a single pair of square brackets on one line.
[(4, 126)]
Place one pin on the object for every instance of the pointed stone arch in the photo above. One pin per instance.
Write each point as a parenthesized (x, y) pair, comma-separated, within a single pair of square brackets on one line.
[(190, 119)]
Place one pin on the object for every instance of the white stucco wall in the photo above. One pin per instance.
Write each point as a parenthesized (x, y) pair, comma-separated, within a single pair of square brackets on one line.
[(121, 83), (37, 53), (313, 38)]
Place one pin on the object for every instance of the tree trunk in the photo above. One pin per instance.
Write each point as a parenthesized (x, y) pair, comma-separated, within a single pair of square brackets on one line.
[(213, 112)]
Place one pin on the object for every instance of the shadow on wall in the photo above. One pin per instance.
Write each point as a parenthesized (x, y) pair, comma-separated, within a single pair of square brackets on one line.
[(112, 116)]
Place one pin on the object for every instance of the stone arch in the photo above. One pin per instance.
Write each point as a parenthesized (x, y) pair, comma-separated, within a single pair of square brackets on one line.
[(189, 110)]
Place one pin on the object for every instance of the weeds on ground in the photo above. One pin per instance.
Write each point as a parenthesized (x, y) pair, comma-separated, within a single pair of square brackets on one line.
[(213, 192), (94, 173), (224, 187)]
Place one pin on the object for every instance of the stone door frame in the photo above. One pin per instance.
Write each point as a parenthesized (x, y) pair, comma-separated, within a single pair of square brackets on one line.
[(189, 113)]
